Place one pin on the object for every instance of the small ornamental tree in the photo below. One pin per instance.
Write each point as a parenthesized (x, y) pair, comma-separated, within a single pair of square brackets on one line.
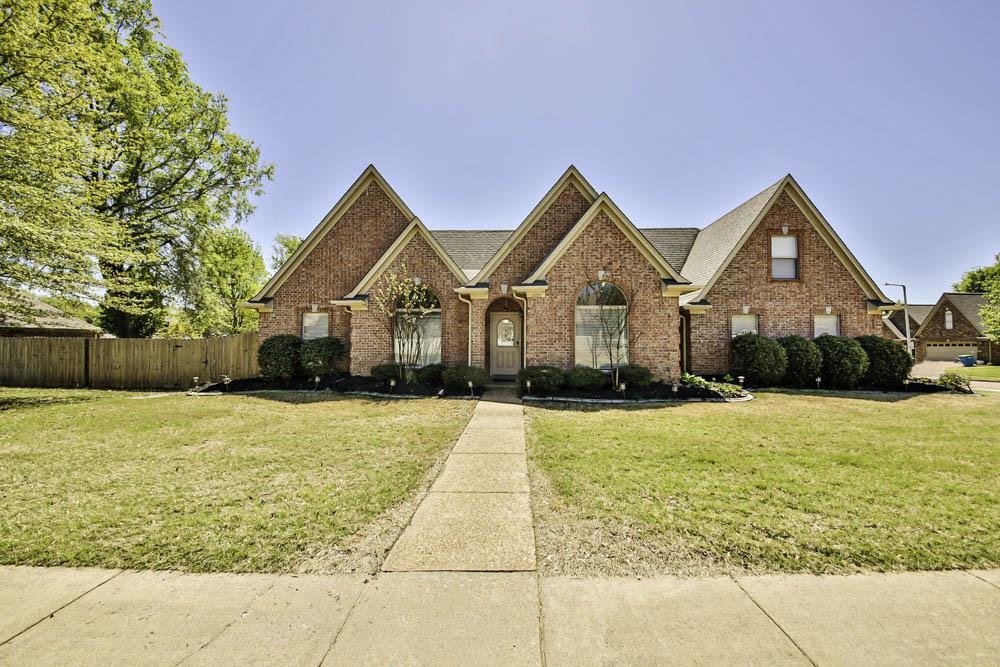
[(404, 302)]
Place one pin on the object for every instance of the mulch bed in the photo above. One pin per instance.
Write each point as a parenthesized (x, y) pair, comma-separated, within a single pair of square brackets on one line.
[(658, 391), (343, 384)]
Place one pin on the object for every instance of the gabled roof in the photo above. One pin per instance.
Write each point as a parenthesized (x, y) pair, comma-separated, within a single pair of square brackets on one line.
[(43, 316), (415, 228), (570, 176), (717, 244), (367, 177), (604, 204), (918, 313), (471, 249), (967, 303), (674, 243)]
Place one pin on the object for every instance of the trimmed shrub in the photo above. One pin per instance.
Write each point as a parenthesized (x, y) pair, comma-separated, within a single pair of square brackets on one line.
[(544, 379), (805, 361), (582, 377), (761, 360), (458, 378), (955, 382), (635, 377), (323, 356), (386, 372), (280, 357), (844, 361), (888, 362), (431, 374)]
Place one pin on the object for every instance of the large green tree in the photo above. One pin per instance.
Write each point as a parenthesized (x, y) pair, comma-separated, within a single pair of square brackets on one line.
[(51, 54), (282, 248), (232, 270), (979, 278), (113, 162)]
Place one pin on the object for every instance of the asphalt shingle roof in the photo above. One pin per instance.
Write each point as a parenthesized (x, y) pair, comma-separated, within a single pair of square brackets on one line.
[(969, 303), (918, 313), (44, 317), (674, 243), (471, 249)]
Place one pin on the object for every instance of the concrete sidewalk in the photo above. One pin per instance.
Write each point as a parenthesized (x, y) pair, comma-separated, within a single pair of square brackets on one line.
[(60, 616), (477, 515)]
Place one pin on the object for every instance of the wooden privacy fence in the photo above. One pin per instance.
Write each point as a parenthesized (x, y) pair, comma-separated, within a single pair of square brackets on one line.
[(125, 363)]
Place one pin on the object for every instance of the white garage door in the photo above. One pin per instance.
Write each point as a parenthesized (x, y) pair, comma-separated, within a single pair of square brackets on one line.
[(948, 351)]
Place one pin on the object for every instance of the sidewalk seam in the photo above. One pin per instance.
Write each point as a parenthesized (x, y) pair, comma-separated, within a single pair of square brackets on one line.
[(985, 581), (776, 624), (61, 607), (347, 617)]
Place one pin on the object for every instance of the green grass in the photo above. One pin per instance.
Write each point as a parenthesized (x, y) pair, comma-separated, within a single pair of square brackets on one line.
[(984, 373), (791, 482), (230, 483)]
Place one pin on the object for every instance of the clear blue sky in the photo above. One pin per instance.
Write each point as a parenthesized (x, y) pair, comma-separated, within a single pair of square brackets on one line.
[(886, 113)]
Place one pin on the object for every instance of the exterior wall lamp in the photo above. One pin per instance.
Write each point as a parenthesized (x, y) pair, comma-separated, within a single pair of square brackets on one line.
[(503, 288), (745, 309)]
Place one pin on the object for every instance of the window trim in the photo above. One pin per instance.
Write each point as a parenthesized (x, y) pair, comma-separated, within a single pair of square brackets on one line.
[(796, 259)]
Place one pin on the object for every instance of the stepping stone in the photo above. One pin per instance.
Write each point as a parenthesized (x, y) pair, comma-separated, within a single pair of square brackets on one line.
[(658, 622), (443, 618), (467, 531), (483, 473)]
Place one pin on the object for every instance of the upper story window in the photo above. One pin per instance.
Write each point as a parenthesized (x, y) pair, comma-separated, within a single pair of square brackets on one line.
[(949, 320), (315, 325), (784, 257)]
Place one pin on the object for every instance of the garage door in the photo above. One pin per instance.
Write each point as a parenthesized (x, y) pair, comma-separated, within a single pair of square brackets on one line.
[(948, 351)]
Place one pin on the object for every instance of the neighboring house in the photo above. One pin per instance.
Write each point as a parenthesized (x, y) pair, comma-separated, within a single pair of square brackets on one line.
[(46, 321), (953, 327), (522, 297)]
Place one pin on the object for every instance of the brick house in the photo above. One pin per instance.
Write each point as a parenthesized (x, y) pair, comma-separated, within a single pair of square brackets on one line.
[(541, 294), (953, 327)]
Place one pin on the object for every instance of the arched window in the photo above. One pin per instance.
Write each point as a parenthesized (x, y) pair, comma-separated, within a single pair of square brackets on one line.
[(601, 337), (416, 331), (949, 320)]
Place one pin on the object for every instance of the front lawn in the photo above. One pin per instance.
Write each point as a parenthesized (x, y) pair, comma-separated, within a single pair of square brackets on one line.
[(227, 483), (787, 482), (985, 373)]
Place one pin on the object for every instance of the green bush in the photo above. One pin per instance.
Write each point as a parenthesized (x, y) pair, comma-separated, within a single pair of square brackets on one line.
[(760, 360), (888, 362), (323, 356), (387, 372), (280, 357), (805, 361), (583, 377), (545, 380), (844, 361), (955, 382), (635, 377), (458, 378), (431, 374)]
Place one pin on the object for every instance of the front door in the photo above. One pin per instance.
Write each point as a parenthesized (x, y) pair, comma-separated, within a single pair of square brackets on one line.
[(505, 344)]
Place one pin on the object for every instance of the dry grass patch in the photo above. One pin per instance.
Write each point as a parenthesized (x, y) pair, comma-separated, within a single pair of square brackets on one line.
[(230, 483)]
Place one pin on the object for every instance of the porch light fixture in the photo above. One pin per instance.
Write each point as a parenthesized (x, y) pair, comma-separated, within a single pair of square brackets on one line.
[(503, 288), (829, 310), (417, 280), (314, 307), (784, 230), (745, 309), (602, 274)]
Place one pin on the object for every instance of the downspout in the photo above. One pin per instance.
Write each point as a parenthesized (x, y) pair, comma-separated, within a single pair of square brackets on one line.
[(468, 337), (524, 328), (684, 334)]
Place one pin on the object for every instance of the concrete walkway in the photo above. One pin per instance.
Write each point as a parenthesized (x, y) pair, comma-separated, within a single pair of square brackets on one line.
[(477, 516), (62, 616)]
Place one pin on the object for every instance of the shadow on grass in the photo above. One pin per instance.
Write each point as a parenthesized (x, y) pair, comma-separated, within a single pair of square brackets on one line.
[(305, 397), (556, 405), (14, 403), (876, 395)]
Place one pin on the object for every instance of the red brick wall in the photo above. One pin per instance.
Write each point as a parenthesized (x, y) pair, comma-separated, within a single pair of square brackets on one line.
[(551, 319), (568, 207), (962, 331), (336, 265), (783, 307), (370, 335)]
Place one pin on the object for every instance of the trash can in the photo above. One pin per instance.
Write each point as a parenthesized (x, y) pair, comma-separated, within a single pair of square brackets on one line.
[(968, 360)]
